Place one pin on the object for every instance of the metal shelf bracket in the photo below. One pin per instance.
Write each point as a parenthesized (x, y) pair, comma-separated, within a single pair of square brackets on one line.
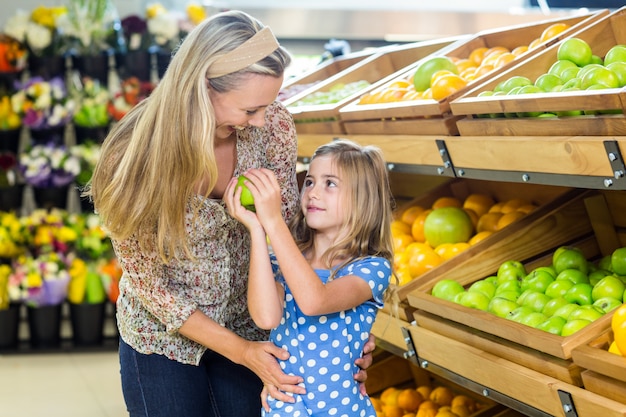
[(568, 404), (445, 156), (615, 159), (411, 353)]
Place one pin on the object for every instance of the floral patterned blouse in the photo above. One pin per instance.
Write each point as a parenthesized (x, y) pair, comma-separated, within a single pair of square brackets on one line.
[(156, 299)]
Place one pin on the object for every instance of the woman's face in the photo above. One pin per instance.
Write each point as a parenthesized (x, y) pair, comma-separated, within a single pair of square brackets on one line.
[(246, 105)]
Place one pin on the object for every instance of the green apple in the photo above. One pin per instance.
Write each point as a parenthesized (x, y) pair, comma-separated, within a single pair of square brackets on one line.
[(605, 263), (559, 66), (609, 286), (535, 300), (552, 325), (501, 307), (579, 294), (486, 287), (513, 82), (569, 73), (566, 310), (474, 299), (600, 75), (513, 285), (510, 271), (548, 82), (576, 50), (558, 288), (574, 275), (619, 68), (247, 199), (537, 280), (572, 326), (519, 313), (569, 258), (509, 295), (587, 312), (533, 319), (447, 289), (618, 261), (616, 54), (607, 303), (597, 275), (553, 305)]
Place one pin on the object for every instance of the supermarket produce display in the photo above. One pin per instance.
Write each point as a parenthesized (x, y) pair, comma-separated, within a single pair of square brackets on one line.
[(524, 316)]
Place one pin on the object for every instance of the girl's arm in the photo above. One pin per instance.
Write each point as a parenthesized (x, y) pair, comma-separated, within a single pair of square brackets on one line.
[(265, 295), (312, 295)]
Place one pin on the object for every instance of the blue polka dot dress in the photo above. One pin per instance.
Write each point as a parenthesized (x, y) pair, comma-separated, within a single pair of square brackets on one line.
[(323, 348)]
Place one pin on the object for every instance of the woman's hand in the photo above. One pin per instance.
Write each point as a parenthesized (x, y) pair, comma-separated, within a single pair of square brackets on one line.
[(260, 358), (365, 362)]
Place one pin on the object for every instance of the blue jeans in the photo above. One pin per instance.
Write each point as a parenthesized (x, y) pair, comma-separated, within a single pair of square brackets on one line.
[(155, 386)]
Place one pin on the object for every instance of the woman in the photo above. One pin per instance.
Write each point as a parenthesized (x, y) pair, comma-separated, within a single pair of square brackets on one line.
[(188, 345)]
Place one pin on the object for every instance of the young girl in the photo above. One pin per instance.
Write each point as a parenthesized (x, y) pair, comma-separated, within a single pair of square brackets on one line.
[(320, 289)]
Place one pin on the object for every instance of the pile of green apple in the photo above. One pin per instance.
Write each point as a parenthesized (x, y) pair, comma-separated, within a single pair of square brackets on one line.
[(575, 69), (560, 298), (335, 94)]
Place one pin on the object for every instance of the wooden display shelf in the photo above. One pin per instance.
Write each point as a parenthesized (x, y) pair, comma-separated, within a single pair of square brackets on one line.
[(324, 118), (502, 379), (433, 117), (588, 221), (601, 35)]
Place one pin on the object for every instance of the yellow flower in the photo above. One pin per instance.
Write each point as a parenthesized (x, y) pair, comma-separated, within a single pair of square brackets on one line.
[(154, 10), (66, 234), (34, 280), (196, 13)]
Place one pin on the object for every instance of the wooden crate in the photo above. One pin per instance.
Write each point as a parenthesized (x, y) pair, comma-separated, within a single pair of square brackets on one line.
[(432, 117), (389, 370), (546, 197), (601, 35), (386, 62), (508, 378), (590, 221), (328, 68), (605, 373)]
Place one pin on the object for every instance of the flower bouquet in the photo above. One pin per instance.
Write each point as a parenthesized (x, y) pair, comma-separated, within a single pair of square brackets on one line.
[(133, 91), (14, 236), (49, 165), (40, 281), (91, 118), (13, 55), (50, 231), (39, 31)]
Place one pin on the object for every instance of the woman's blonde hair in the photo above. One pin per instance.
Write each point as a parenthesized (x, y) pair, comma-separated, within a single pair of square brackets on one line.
[(368, 202), (157, 155)]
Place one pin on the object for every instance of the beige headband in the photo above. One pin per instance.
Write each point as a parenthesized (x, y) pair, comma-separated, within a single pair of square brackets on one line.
[(251, 51)]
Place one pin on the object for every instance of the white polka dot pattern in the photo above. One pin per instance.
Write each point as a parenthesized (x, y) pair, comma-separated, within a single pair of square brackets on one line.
[(323, 348)]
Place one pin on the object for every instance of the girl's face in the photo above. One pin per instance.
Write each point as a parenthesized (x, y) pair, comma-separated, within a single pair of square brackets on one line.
[(323, 194), (246, 105)]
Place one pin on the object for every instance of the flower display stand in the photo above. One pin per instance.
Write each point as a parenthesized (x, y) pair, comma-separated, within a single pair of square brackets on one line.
[(95, 134), (87, 322), (10, 140), (55, 135), (9, 327), (11, 198), (44, 325), (46, 67), (51, 197)]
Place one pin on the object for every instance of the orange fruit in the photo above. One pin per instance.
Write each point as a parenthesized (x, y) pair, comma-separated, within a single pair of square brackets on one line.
[(496, 50), (446, 202), (482, 70), (409, 399), (619, 335), (619, 317), (403, 274), (447, 84), (426, 412), (509, 218), (442, 395), (513, 204), (461, 410), (472, 215), (477, 54), (390, 395), (425, 390), (438, 74), (377, 403), (553, 30), (409, 415), (450, 250), (392, 410), (488, 221), (479, 203), (412, 95), (400, 84), (464, 64), (534, 43), (527, 208), (398, 227), (401, 241), (614, 349), (520, 50), (410, 214), (423, 262), (479, 237), (417, 229), (504, 59), (496, 208), (461, 399)]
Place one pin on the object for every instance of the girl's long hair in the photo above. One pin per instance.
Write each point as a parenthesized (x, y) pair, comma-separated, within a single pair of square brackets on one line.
[(155, 158)]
